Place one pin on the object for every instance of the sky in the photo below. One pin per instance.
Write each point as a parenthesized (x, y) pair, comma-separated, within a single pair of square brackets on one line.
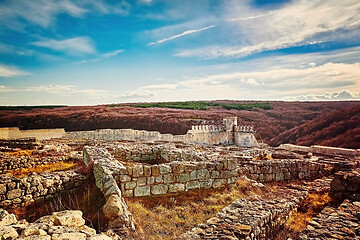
[(89, 52)]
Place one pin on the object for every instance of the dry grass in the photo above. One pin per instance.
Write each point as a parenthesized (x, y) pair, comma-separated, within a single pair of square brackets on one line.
[(166, 217), (51, 167), (20, 153), (313, 204)]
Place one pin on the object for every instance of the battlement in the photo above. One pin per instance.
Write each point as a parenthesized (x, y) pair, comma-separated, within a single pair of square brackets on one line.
[(244, 128), (207, 128)]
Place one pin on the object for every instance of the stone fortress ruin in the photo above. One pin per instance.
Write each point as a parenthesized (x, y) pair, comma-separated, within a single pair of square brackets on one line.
[(126, 163)]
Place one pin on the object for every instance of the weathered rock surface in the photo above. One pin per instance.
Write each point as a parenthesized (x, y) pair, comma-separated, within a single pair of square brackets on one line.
[(104, 166), (65, 225), (335, 223)]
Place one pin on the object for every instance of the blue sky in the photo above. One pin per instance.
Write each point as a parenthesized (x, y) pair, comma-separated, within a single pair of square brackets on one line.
[(86, 52)]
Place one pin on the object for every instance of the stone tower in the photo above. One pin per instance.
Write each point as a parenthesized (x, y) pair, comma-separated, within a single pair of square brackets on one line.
[(229, 123)]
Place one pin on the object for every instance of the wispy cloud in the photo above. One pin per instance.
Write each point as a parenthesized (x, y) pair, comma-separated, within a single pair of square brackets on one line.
[(297, 23), (17, 14), (250, 17), (102, 57), (187, 32), (72, 46), (41, 12), (6, 71)]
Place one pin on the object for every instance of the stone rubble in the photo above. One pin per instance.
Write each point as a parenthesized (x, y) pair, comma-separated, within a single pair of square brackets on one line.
[(64, 225), (342, 222)]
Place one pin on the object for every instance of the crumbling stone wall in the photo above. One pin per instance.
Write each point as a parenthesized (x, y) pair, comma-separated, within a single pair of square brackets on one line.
[(115, 209), (226, 134), (346, 184), (285, 169), (40, 134), (14, 191), (10, 162), (160, 153), (22, 143), (321, 150)]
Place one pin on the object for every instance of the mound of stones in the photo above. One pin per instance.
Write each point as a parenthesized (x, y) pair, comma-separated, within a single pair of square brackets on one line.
[(62, 225)]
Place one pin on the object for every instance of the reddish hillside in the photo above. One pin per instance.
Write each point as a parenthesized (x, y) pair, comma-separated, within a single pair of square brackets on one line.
[(282, 117), (339, 128)]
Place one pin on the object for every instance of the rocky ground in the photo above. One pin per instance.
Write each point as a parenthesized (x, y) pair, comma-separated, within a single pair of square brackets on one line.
[(57, 226), (267, 215)]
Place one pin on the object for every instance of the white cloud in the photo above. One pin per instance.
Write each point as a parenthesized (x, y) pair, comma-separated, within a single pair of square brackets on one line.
[(343, 95), (102, 57), (138, 94), (187, 32), (297, 23), (72, 46), (55, 89), (161, 86), (6, 71)]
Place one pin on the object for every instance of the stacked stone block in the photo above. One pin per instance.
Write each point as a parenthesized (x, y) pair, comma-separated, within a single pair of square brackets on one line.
[(285, 169), (346, 185), (14, 191), (10, 162), (22, 143), (144, 180)]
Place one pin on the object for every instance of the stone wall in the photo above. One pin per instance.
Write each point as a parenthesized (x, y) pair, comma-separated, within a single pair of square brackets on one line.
[(22, 143), (226, 134), (346, 184), (177, 176), (14, 191), (144, 180), (323, 150), (10, 162), (286, 169), (40, 134), (104, 166), (159, 153)]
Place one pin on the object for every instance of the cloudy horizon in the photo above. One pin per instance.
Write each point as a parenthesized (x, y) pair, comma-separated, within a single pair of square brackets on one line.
[(89, 52)]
